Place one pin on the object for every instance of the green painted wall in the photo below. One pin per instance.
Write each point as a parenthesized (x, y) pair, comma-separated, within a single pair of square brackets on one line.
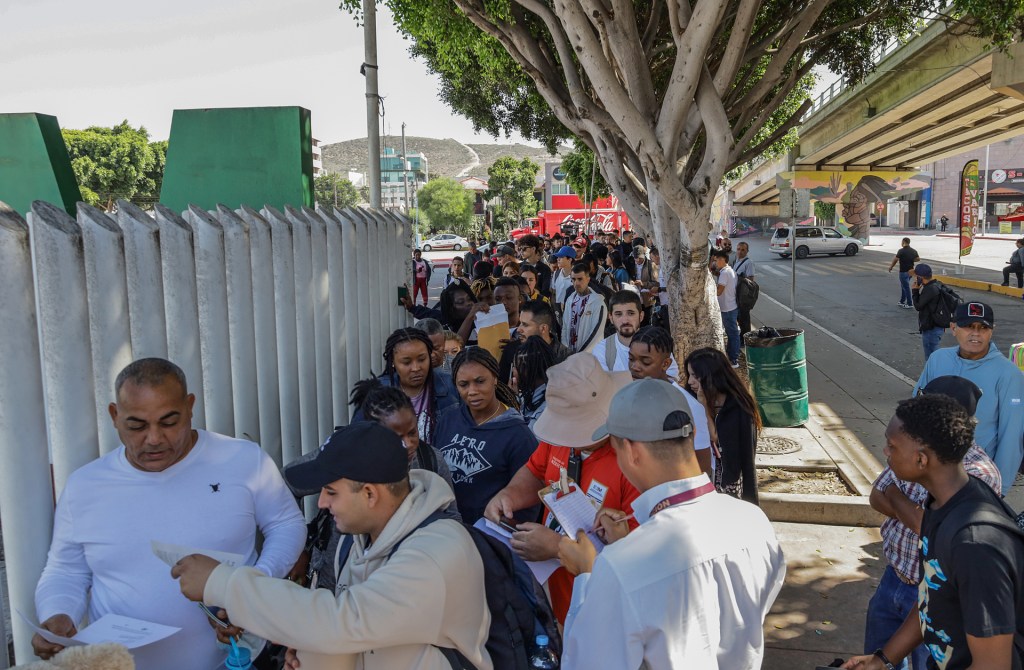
[(252, 155), (34, 163)]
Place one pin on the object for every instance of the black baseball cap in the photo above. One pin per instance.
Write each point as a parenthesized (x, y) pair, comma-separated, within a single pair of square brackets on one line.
[(964, 391), (974, 312), (364, 451)]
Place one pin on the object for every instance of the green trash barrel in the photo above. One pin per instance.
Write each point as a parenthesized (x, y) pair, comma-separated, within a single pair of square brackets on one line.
[(778, 375)]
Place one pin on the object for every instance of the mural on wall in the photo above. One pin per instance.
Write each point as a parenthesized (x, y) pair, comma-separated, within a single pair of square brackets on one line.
[(855, 190)]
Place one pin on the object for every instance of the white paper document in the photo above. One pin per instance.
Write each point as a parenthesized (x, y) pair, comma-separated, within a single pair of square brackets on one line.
[(132, 633), (542, 570), (575, 511), (172, 553)]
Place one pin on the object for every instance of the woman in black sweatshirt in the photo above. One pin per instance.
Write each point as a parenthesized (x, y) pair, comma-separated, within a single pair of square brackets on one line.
[(732, 417)]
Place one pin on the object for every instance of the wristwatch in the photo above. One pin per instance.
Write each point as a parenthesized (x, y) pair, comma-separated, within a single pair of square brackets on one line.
[(885, 661)]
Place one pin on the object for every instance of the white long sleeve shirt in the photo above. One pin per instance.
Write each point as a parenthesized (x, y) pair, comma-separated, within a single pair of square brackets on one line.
[(689, 588), (215, 498)]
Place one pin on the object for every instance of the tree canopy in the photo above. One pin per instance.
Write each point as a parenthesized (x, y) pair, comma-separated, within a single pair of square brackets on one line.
[(669, 95), (332, 190), (511, 181), (447, 205), (116, 163)]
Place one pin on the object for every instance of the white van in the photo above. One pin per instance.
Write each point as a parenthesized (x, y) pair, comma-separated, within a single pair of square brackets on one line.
[(814, 240)]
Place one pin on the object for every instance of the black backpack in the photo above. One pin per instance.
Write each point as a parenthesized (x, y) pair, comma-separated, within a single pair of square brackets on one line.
[(519, 608), (945, 306), (747, 292)]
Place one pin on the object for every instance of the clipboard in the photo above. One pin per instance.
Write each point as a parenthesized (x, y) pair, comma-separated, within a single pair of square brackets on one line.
[(572, 508)]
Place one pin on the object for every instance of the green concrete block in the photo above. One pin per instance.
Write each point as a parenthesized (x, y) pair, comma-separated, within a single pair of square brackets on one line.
[(34, 163), (252, 156)]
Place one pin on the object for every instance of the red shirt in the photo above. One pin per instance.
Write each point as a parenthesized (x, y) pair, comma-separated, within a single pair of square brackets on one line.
[(601, 480)]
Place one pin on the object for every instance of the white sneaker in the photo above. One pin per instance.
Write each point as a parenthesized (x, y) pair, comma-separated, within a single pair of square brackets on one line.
[(735, 366)]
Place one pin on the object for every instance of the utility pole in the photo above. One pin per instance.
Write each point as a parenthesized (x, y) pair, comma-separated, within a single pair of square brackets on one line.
[(369, 70), (405, 170)]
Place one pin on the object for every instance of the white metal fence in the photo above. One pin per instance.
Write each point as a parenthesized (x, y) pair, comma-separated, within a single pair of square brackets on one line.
[(272, 315)]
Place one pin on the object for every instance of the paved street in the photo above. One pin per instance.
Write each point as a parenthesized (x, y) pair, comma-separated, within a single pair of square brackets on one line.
[(855, 297)]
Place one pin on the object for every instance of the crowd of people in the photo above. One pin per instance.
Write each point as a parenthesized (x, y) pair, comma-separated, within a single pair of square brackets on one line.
[(678, 568)]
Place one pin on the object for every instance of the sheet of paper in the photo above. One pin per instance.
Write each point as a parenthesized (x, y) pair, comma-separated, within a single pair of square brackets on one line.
[(172, 553), (491, 328), (541, 570), (575, 511), (132, 633), (50, 637)]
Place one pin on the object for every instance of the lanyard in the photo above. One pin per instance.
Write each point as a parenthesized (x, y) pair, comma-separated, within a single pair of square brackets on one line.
[(678, 498), (576, 314)]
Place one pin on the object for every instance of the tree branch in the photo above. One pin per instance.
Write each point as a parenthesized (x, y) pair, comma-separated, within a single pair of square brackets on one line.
[(732, 58), (777, 135), (718, 134), (686, 74)]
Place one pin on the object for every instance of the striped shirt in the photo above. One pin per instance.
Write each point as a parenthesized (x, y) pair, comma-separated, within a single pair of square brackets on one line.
[(899, 543)]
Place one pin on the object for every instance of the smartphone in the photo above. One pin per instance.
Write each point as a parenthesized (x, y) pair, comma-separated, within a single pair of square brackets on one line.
[(212, 613), (403, 293), (508, 524)]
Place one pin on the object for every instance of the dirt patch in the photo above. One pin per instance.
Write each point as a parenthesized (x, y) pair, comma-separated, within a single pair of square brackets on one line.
[(777, 480)]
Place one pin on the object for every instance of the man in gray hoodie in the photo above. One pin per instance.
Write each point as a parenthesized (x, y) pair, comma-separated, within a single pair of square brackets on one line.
[(434, 571)]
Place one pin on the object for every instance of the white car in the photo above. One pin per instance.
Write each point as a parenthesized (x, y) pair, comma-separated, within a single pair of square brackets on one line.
[(444, 241), (814, 240)]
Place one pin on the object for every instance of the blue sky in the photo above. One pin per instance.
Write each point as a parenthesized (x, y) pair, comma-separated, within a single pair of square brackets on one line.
[(98, 62)]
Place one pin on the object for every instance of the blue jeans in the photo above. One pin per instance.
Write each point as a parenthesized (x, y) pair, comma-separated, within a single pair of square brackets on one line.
[(732, 331), (930, 339), (905, 296), (887, 611)]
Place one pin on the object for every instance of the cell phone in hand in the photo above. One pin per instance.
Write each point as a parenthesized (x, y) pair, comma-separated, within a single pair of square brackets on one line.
[(508, 524), (403, 294)]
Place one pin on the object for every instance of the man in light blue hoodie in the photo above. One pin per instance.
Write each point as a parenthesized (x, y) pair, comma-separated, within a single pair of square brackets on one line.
[(1000, 413)]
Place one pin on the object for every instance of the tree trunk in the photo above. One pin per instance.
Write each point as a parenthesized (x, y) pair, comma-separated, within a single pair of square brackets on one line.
[(693, 305)]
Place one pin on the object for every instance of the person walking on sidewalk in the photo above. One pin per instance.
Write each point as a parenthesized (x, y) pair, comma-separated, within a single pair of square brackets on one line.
[(901, 502), (927, 295), (1000, 415), (970, 603), (906, 257), (1015, 265)]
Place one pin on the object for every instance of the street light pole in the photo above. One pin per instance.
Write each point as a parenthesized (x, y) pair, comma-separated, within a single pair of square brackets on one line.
[(369, 70)]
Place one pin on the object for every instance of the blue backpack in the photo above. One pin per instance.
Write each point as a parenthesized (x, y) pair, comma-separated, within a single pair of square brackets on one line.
[(518, 605)]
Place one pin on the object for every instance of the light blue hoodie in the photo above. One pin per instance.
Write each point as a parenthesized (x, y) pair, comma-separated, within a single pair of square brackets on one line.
[(1000, 413)]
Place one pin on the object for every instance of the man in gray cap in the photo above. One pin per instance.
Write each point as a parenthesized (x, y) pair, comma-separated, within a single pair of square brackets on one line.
[(693, 545)]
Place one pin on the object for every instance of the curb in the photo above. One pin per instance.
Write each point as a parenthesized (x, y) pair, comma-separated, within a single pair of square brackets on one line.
[(819, 509), (976, 285), (857, 467)]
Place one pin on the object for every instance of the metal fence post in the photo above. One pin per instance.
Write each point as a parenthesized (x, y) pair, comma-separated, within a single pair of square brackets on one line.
[(339, 343), (265, 332), (145, 281), (109, 332), (212, 305), (26, 495), (321, 322), (355, 364), (370, 331), (241, 335), (287, 353), (306, 342), (63, 313), (181, 306)]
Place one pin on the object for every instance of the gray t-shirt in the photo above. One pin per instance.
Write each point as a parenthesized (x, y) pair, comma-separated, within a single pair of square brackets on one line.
[(744, 267)]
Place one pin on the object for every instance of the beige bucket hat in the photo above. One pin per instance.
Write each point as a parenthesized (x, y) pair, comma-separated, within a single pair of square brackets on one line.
[(578, 395)]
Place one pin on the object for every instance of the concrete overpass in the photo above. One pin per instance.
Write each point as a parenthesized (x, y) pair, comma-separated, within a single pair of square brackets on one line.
[(938, 95)]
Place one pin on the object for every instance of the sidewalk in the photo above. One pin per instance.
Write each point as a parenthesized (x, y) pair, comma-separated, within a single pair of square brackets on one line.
[(832, 570)]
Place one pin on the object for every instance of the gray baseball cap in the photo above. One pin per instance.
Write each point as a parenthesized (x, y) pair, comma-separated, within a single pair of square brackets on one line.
[(646, 411)]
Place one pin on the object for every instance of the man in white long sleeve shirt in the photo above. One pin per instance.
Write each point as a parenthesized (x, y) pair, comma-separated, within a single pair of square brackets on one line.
[(690, 587), (169, 483)]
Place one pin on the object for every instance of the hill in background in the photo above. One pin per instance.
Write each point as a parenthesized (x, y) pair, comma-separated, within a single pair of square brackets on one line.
[(445, 157)]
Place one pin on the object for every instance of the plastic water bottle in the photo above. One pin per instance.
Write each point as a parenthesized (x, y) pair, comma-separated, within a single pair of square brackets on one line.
[(543, 658), (239, 658)]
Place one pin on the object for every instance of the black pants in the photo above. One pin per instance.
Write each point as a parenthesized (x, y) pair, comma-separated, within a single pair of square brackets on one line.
[(1017, 270), (744, 321)]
